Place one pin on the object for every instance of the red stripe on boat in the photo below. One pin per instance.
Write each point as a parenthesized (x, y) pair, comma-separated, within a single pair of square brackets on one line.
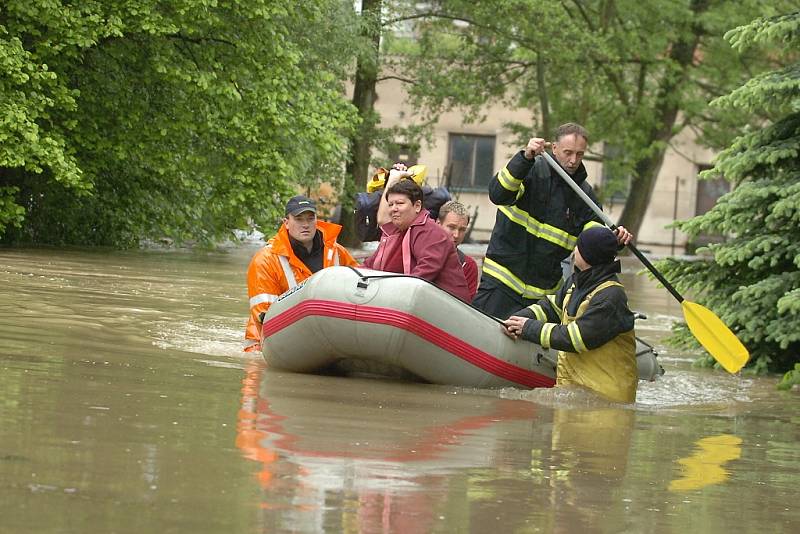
[(415, 325)]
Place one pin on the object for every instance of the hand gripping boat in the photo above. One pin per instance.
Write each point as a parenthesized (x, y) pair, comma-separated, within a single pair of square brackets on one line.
[(346, 320)]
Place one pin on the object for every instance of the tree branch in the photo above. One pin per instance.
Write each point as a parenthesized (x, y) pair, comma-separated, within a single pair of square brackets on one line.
[(399, 78), (544, 102), (612, 77), (641, 84), (431, 15)]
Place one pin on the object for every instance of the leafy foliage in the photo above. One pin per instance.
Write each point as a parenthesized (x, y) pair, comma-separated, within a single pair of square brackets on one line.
[(182, 119), (633, 79), (791, 378), (752, 280)]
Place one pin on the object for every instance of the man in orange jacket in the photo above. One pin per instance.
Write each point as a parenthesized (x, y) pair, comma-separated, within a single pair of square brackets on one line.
[(302, 246)]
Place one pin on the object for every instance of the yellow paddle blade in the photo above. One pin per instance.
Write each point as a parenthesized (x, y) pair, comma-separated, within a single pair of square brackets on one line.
[(715, 337)]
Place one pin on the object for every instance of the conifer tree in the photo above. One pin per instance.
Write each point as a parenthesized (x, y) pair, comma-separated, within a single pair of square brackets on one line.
[(752, 279)]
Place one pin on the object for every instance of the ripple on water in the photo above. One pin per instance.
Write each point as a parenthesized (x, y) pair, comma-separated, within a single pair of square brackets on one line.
[(689, 387), (657, 322), (679, 387), (216, 338)]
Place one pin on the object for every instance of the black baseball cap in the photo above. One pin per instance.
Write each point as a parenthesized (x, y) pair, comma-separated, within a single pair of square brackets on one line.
[(300, 203)]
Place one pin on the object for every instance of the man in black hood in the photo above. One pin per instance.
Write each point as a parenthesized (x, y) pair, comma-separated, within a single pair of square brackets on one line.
[(588, 322)]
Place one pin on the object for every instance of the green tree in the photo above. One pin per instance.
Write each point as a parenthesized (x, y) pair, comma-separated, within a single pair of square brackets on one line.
[(365, 81), (752, 280), (370, 143), (183, 118), (634, 79)]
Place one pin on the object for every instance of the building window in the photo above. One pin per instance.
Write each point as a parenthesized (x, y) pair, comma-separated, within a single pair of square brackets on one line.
[(708, 193), (471, 161)]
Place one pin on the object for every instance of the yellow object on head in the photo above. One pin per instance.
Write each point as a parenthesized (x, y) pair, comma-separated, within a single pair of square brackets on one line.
[(418, 173), (378, 180)]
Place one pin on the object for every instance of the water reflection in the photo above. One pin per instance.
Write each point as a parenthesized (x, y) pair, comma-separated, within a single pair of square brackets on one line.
[(323, 461), (594, 441), (248, 437), (705, 466), (590, 454), (387, 471), (122, 376)]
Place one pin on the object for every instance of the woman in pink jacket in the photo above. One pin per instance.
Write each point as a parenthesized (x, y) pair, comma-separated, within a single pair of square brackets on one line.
[(412, 243)]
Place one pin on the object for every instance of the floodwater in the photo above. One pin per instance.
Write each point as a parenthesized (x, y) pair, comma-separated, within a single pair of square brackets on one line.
[(127, 406)]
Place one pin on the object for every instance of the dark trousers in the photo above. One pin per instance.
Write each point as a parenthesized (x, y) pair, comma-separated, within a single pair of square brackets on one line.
[(497, 300)]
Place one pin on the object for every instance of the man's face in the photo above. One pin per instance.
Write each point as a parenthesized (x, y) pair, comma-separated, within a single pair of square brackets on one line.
[(456, 225), (569, 151), (302, 227), (578, 261)]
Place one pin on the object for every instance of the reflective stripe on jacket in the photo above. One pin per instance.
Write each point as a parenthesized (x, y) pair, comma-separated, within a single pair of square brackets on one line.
[(609, 369), (589, 322), (275, 269), (537, 225)]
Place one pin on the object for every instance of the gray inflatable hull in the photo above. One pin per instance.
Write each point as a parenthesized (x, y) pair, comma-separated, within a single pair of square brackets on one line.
[(362, 321)]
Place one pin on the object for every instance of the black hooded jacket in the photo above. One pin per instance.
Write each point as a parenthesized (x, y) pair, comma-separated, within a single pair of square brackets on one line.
[(606, 317)]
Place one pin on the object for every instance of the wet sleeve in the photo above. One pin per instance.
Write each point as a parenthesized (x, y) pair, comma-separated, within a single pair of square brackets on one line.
[(606, 317), (471, 275), (345, 258), (369, 261), (264, 285)]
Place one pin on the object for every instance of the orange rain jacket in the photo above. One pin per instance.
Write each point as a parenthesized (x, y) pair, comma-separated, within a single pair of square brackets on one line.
[(266, 279)]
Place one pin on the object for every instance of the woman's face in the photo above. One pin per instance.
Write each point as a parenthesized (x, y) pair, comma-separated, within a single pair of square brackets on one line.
[(402, 211)]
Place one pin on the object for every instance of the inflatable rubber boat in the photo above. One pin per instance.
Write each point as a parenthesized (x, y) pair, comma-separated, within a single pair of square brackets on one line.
[(358, 321)]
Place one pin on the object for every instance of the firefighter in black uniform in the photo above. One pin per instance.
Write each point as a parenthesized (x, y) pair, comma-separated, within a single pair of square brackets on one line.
[(538, 222)]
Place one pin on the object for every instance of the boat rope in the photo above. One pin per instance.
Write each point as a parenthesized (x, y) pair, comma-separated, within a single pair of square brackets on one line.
[(364, 277)]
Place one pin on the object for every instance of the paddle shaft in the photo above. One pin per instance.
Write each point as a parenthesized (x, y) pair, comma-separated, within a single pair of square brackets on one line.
[(595, 208)]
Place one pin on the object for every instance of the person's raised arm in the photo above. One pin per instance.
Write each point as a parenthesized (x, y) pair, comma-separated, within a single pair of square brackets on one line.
[(505, 185), (398, 171)]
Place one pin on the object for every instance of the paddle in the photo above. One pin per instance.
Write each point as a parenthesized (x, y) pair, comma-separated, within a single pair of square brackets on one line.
[(709, 329)]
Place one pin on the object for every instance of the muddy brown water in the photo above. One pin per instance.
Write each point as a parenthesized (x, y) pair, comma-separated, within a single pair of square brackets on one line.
[(127, 406)]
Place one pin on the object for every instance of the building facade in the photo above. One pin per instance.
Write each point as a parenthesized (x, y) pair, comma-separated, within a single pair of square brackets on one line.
[(465, 156)]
